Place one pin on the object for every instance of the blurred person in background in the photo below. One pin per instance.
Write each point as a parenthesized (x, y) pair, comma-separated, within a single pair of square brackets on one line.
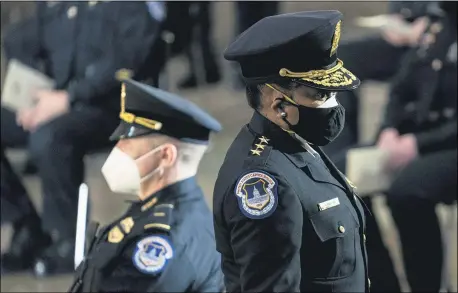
[(419, 132), (377, 58), (165, 241), (199, 29), (80, 45), (247, 14)]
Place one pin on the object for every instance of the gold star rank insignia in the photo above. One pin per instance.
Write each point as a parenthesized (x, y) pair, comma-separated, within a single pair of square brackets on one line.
[(260, 146), (256, 152), (264, 139)]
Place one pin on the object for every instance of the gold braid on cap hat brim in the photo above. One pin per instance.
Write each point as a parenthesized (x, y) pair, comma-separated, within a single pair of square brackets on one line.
[(332, 77), (132, 118)]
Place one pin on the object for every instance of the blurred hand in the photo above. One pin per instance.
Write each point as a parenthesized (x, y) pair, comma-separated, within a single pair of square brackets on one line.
[(49, 105), (24, 118), (388, 139), (402, 33), (404, 152)]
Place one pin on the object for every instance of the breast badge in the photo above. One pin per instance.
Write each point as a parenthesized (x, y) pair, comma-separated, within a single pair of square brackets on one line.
[(257, 194), (152, 254)]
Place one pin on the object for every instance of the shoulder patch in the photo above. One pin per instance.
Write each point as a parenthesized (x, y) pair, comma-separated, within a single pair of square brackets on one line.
[(256, 193), (152, 254)]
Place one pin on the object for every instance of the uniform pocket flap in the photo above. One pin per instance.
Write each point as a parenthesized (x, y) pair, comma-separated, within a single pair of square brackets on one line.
[(333, 223)]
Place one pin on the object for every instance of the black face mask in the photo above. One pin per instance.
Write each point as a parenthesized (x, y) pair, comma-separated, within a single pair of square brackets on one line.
[(319, 126)]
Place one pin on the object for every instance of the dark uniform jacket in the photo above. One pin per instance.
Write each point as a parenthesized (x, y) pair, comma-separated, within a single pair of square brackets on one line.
[(423, 97), (411, 10), (81, 45), (286, 221), (163, 244)]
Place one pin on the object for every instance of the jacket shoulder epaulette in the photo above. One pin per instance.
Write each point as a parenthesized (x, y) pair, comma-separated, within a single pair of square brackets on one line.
[(160, 217)]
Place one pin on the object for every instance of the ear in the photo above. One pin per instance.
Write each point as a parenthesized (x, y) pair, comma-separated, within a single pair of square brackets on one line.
[(277, 105), (169, 155)]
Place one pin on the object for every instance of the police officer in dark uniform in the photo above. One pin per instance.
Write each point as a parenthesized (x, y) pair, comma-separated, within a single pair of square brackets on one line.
[(375, 58), (419, 132), (165, 241), (80, 45), (286, 220)]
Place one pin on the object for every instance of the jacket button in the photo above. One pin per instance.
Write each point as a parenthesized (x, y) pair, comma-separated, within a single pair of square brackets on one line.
[(369, 282), (92, 3), (364, 237), (433, 116), (436, 64), (448, 112), (341, 229), (72, 12)]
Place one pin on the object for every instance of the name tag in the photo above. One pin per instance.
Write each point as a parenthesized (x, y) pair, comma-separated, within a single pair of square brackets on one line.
[(328, 204)]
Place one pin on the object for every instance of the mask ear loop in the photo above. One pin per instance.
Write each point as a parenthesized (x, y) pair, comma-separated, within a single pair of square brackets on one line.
[(283, 114), (158, 169)]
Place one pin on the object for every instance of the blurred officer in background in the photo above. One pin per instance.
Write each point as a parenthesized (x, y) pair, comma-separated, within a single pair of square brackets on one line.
[(420, 134), (286, 220), (200, 28), (165, 241), (377, 58), (80, 45), (248, 13)]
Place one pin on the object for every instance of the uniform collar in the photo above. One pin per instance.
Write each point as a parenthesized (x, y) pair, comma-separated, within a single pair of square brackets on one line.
[(280, 139), (167, 194)]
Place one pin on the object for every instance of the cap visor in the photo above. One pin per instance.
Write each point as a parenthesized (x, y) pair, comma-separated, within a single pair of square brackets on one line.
[(128, 130), (340, 80)]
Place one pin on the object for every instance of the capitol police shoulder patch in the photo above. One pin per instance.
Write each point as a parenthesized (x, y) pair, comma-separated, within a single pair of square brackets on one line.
[(256, 193), (152, 254)]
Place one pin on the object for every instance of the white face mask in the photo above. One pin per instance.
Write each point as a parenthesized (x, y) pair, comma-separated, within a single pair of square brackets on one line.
[(121, 171)]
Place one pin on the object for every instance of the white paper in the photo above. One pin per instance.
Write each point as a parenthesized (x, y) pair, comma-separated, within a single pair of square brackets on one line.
[(81, 224), (366, 170), (20, 83)]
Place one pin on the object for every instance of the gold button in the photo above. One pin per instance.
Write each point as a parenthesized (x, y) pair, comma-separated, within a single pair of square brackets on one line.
[(435, 27), (92, 3), (364, 237), (436, 64), (341, 229), (72, 12)]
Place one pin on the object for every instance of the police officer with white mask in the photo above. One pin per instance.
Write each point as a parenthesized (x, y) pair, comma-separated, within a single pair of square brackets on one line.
[(165, 241)]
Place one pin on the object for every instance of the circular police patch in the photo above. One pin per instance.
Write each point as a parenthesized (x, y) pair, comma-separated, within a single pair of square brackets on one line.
[(257, 194), (152, 254)]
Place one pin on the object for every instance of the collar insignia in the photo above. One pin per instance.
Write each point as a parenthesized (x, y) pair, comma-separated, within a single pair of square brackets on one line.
[(127, 224), (256, 152), (115, 235), (263, 141)]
